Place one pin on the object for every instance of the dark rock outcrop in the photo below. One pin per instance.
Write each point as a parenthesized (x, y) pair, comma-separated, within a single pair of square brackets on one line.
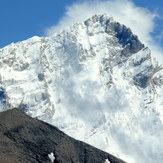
[(141, 80), (27, 140), (127, 39), (2, 95)]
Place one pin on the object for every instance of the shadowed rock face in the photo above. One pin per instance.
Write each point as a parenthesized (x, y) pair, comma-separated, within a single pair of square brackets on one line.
[(2, 95), (27, 140), (127, 39), (141, 80)]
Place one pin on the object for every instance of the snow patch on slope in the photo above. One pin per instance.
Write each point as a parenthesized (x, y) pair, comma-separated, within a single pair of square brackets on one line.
[(51, 157)]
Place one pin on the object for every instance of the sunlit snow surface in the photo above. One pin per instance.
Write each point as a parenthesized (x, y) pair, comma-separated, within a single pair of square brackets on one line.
[(107, 161), (51, 157), (79, 82)]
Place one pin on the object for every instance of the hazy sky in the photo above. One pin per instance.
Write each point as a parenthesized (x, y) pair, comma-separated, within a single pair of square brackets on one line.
[(22, 19)]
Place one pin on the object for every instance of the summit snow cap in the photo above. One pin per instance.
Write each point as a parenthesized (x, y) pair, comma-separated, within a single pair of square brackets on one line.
[(141, 20)]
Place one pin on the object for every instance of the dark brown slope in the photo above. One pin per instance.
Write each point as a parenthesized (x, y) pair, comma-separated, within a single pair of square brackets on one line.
[(27, 140)]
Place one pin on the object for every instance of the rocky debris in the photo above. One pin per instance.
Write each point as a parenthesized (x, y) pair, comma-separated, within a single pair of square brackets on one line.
[(24, 139)]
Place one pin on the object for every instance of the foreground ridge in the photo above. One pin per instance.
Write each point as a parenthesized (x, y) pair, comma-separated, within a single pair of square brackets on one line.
[(28, 140)]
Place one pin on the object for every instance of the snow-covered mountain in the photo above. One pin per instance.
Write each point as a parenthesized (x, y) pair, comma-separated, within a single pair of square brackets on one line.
[(95, 81)]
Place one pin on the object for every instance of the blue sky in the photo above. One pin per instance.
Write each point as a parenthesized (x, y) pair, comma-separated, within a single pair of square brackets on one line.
[(157, 6), (22, 19)]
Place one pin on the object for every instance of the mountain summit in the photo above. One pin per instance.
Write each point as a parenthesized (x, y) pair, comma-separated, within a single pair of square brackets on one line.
[(95, 81)]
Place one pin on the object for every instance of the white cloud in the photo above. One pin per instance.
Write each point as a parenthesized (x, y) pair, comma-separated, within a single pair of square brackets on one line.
[(139, 19)]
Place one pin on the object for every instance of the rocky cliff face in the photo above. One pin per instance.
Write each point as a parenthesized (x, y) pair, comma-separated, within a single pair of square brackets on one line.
[(95, 81), (25, 140)]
